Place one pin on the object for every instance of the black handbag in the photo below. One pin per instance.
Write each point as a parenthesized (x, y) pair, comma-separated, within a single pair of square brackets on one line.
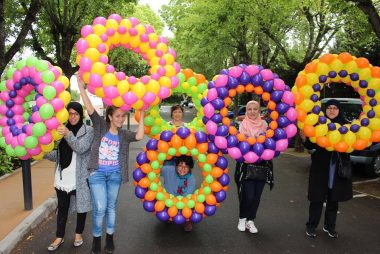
[(344, 165), (257, 171)]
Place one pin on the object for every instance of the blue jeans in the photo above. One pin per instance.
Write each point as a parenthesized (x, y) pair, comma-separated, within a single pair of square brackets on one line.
[(104, 187)]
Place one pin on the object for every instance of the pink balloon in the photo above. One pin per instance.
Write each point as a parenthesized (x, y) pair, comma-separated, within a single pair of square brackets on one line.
[(161, 71), (211, 127), (163, 93), (282, 145), (3, 121), (122, 30), (95, 80), (288, 98), (56, 72), (120, 75), (9, 84), (17, 75), (18, 100), (58, 86), (29, 129), (133, 31), (126, 107), (104, 38), (45, 139), (25, 71), (103, 59), (145, 79), (25, 157), (149, 97), (212, 94), (291, 114), (221, 81), (115, 17), (220, 142), (267, 155), (134, 21), (100, 20), (175, 81), (21, 139), (132, 80), (85, 64), (19, 119), (129, 98), (86, 30), (52, 123), (279, 84), (266, 74), (17, 109), (208, 110), (107, 101), (36, 117), (110, 32), (40, 88), (111, 92), (14, 142), (34, 151), (91, 89), (8, 138), (252, 70), (251, 157), (41, 101), (291, 130), (5, 130), (234, 152), (57, 104), (110, 68), (235, 71), (149, 29), (4, 109), (82, 46)]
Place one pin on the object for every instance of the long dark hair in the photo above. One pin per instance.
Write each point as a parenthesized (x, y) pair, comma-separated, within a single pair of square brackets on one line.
[(109, 112)]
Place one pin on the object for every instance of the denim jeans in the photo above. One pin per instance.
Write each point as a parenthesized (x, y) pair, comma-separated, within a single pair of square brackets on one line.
[(104, 187)]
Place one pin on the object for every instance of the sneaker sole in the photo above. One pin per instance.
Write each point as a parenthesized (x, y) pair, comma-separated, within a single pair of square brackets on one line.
[(311, 235), (332, 236)]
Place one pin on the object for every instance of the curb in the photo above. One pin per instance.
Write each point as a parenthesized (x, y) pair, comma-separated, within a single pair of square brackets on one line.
[(30, 222), (14, 171)]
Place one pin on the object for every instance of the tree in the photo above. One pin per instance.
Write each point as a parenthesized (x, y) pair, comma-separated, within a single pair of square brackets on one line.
[(15, 23), (369, 9)]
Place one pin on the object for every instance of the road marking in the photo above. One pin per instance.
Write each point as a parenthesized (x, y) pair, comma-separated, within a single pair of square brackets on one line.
[(367, 181), (360, 195)]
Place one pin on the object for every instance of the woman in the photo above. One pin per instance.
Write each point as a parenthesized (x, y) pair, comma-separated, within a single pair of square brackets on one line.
[(71, 173), (324, 183), (108, 166), (176, 113), (250, 190)]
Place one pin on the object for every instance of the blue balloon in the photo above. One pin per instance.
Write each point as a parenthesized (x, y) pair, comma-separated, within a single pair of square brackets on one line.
[(282, 108), (258, 148), (343, 73), (212, 148), (183, 132), (141, 158), (10, 113), (218, 103), (166, 136), (316, 109), (257, 80), (269, 143), (12, 94), (152, 144), (363, 84), (314, 97), (244, 78), (162, 216), (217, 118), (210, 210), (224, 72), (200, 136), (138, 174), (322, 119), (283, 121), (179, 219), (331, 126), (332, 74), (148, 206), (222, 130), (211, 85), (204, 101), (279, 134), (232, 141), (11, 121), (343, 129), (244, 147), (371, 114), (354, 128), (220, 196), (243, 66), (221, 162), (222, 92), (22, 81), (364, 121), (211, 137), (268, 86), (196, 217), (17, 86), (316, 87), (322, 79), (232, 82), (354, 76), (10, 103), (373, 102), (205, 120), (276, 95), (140, 192), (224, 179)]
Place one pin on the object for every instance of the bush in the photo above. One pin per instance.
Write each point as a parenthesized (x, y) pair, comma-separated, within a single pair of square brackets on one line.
[(8, 164)]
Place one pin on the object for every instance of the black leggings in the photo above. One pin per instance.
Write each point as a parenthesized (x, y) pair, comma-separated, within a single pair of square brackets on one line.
[(62, 213), (250, 198), (315, 212)]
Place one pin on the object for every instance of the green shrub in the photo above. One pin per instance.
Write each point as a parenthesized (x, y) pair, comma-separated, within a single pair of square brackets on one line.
[(7, 163)]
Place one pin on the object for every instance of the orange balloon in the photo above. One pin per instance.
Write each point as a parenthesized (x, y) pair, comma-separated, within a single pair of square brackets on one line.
[(269, 133), (362, 62), (200, 78), (210, 199), (176, 141), (146, 168), (232, 130), (151, 155), (232, 93), (137, 116), (327, 58), (261, 139), (202, 148), (150, 195), (274, 115), (216, 186), (190, 141), (223, 112), (216, 172), (188, 73), (226, 121), (251, 140), (271, 105), (258, 90), (186, 212), (375, 72), (375, 137), (273, 125), (162, 146), (227, 101), (172, 211), (360, 144), (249, 88), (311, 67), (211, 158), (159, 206), (147, 129), (265, 96), (241, 137), (301, 81), (199, 208), (298, 98), (144, 182), (309, 130), (301, 114), (240, 89), (345, 57), (341, 147), (323, 141)]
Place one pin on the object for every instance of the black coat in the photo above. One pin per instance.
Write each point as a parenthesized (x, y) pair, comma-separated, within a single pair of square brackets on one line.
[(319, 176)]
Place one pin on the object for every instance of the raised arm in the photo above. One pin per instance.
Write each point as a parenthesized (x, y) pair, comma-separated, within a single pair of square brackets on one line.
[(83, 93), (140, 128)]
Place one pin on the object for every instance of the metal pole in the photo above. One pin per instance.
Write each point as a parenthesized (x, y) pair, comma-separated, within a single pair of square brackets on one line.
[(129, 120), (27, 184)]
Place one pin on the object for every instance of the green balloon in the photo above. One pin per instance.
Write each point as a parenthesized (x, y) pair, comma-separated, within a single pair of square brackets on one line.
[(206, 190), (25, 105), (10, 72), (42, 65), (31, 61), (161, 156), (30, 97), (49, 92), (10, 151), (190, 203), (209, 179), (155, 130), (20, 64), (183, 150), (47, 77), (46, 111), (160, 196), (39, 129), (155, 164), (3, 144), (202, 158), (202, 87), (181, 77), (179, 197), (26, 116), (201, 198), (194, 152), (20, 151), (192, 81), (149, 120), (152, 176), (172, 151), (180, 205), (169, 202), (31, 142), (207, 167), (153, 186), (3, 86)]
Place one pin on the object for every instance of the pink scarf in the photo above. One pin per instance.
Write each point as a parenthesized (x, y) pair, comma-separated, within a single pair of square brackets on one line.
[(252, 127)]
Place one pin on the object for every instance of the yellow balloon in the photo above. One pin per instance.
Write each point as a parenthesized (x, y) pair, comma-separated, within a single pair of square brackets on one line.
[(65, 96), (135, 41), (154, 112), (125, 38), (109, 79), (312, 79), (322, 69), (47, 148), (321, 130), (98, 68), (350, 150), (86, 77), (99, 29), (349, 138), (300, 125), (144, 47), (163, 47), (307, 105), (153, 37), (165, 81), (140, 29), (139, 89), (123, 87), (374, 83), (364, 133), (93, 40), (374, 124), (126, 23), (151, 53), (56, 136), (138, 104), (115, 39), (62, 115), (351, 67), (156, 101), (158, 121), (366, 108), (170, 70), (334, 137), (169, 58), (64, 80), (313, 139), (377, 110), (311, 119), (306, 91), (39, 156), (99, 92), (111, 23), (93, 54), (365, 73), (336, 65), (118, 102)]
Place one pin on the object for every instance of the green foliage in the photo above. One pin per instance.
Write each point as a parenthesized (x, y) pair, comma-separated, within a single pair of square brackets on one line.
[(74, 95), (7, 163)]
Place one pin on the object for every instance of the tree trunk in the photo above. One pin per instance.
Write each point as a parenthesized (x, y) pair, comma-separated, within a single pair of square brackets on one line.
[(370, 11)]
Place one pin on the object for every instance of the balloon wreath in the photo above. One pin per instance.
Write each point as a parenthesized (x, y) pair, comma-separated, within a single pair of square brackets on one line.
[(276, 96), (179, 209), (115, 88), (191, 84), (32, 133), (347, 69)]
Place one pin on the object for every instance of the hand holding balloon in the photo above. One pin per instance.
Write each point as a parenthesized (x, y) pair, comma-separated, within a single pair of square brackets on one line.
[(62, 130)]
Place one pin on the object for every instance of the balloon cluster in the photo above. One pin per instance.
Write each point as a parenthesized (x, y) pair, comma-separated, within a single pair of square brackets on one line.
[(191, 84), (349, 70), (115, 88), (29, 133), (179, 209), (276, 96)]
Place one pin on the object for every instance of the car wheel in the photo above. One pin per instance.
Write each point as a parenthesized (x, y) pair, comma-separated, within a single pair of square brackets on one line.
[(373, 169)]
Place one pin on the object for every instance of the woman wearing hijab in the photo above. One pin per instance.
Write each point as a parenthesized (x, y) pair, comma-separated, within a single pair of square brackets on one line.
[(324, 183), (250, 190), (71, 173)]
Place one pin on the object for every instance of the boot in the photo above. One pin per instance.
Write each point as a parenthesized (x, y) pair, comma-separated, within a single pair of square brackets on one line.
[(96, 245), (110, 247)]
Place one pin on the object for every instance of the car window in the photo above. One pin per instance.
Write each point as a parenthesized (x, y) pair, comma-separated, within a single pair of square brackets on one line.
[(351, 110)]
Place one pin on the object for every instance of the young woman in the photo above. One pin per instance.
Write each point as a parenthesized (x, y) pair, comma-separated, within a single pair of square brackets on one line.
[(176, 113), (250, 190), (71, 173), (108, 166), (324, 183)]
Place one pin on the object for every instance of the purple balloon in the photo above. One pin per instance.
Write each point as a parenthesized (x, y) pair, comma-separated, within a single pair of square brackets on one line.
[(140, 192), (10, 103), (204, 101), (152, 144), (196, 217), (201, 137), (244, 78), (221, 162), (258, 148), (211, 137), (205, 120), (276, 95), (322, 119), (322, 79), (224, 179), (343, 130), (148, 206), (316, 109), (332, 74), (217, 118), (363, 84), (218, 103), (222, 131), (224, 72), (232, 82), (232, 141), (316, 87), (141, 158), (257, 80), (138, 174), (268, 86), (212, 148), (354, 76), (166, 136), (222, 92), (220, 196), (283, 121), (211, 85), (210, 210), (282, 108), (12, 94), (244, 147), (363, 122), (270, 144), (331, 126), (354, 128), (279, 134), (10, 113), (179, 219), (163, 215), (183, 132)]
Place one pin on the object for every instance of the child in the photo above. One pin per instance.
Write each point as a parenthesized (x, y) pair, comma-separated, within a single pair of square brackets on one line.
[(178, 179)]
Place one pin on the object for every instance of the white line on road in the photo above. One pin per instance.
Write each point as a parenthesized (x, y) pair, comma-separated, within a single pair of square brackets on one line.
[(360, 195), (367, 181)]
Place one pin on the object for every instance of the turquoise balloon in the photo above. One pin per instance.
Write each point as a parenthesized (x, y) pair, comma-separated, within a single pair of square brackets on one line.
[(46, 111), (42, 65), (48, 77), (39, 129), (20, 151), (10, 72), (10, 151), (31, 61), (49, 92), (20, 64), (31, 142)]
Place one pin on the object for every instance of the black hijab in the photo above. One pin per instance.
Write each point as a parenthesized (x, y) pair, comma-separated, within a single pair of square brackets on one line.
[(339, 118), (65, 150)]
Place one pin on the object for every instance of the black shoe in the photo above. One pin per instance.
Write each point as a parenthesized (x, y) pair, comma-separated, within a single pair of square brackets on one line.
[(311, 232), (110, 247), (332, 233), (96, 245)]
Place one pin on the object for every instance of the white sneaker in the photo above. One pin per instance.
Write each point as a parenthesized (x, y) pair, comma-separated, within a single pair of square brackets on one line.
[(241, 224), (250, 225)]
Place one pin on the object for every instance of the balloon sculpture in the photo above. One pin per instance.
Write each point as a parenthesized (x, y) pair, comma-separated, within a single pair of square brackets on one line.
[(349, 70), (25, 133)]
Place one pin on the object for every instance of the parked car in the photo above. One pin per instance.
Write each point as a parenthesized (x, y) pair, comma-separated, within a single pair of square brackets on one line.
[(369, 158)]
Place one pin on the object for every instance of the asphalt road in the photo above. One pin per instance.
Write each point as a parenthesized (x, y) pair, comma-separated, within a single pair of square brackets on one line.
[(281, 223)]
